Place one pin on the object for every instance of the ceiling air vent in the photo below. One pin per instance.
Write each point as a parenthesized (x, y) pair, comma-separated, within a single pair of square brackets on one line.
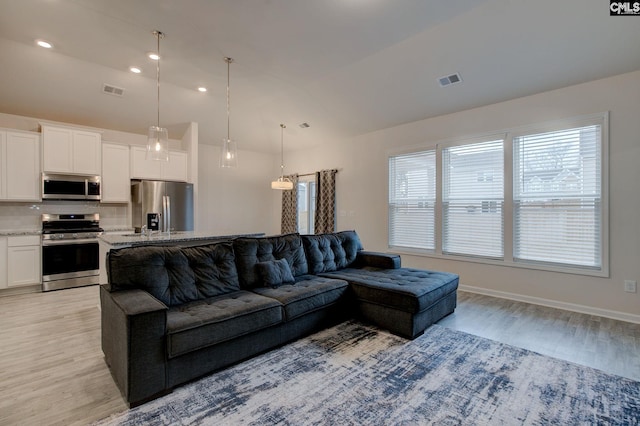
[(449, 79), (110, 89)]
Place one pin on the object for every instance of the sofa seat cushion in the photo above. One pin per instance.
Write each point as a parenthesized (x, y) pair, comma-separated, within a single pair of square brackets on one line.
[(309, 293), (206, 322), (406, 289)]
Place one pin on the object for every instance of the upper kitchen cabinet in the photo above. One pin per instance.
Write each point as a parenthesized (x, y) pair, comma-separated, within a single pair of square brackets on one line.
[(116, 186), (174, 170), (68, 150), (19, 166)]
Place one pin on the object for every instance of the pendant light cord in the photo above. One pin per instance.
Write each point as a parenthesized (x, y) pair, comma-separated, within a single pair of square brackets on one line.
[(158, 35), (228, 61), (282, 127)]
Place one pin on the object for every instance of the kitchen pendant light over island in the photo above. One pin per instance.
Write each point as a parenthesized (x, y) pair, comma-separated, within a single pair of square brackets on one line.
[(229, 154), (158, 141)]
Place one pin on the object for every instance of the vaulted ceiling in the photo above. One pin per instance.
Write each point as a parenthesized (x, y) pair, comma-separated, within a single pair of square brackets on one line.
[(345, 67)]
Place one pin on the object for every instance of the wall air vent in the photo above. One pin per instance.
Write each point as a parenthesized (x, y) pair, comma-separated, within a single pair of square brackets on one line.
[(110, 89), (450, 79)]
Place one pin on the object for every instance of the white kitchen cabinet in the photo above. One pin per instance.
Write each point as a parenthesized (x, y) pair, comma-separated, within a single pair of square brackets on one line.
[(19, 166), (116, 186), (174, 170), (23, 261), (3, 263), (67, 150)]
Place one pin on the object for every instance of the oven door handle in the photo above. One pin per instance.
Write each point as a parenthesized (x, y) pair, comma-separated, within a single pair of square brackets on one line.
[(68, 242)]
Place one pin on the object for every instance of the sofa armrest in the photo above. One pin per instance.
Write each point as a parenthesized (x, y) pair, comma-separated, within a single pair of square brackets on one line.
[(133, 342), (378, 260)]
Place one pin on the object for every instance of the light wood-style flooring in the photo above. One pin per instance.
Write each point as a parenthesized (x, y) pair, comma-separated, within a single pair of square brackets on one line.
[(52, 371)]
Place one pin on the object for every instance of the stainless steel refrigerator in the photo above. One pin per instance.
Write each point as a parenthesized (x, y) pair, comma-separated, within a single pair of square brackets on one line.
[(162, 206)]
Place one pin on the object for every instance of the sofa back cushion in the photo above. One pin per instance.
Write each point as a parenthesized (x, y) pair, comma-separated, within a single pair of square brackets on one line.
[(331, 252), (250, 251), (174, 275)]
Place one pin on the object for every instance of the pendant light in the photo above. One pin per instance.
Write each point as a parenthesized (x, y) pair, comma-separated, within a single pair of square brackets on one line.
[(282, 182), (229, 155), (158, 141)]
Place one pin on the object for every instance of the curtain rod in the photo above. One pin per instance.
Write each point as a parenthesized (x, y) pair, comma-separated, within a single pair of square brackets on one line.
[(313, 173)]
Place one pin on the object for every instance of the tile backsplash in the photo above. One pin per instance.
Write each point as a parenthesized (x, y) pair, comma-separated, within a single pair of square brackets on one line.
[(26, 216)]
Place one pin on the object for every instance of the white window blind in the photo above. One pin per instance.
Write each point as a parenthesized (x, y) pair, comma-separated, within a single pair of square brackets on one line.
[(557, 197), (473, 199), (412, 197)]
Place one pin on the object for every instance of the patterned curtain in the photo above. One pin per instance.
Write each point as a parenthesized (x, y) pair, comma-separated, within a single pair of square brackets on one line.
[(325, 201), (290, 207)]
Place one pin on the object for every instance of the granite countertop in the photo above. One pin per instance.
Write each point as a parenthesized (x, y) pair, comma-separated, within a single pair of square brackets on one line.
[(128, 240), (19, 232)]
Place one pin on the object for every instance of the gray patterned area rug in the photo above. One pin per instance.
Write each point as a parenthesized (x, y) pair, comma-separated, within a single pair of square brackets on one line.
[(355, 374)]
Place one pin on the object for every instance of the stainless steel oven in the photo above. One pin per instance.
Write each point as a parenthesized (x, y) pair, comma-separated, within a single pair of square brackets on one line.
[(70, 250)]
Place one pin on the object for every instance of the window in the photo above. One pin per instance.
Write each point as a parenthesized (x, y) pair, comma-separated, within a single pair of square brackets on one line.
[(412, 200), (557, 197), (472, 199), (306, 206), (531, 198)]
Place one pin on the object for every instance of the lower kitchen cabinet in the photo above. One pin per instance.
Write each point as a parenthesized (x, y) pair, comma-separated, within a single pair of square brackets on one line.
[(23, 261), (3, 263)]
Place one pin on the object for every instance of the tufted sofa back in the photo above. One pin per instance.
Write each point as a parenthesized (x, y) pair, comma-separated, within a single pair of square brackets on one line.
[(250, 251), (175, 275), (331, 252)]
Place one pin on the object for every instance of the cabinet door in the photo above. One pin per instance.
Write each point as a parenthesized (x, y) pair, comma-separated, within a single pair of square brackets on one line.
[(116, 186), (3, 262), (3, 166), (57, 151), (141, 168), (87, 152), (176, 168), (22, 167), (23, 261)]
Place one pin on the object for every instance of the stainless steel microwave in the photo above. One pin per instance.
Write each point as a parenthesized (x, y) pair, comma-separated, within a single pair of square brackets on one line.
[(70, 187)]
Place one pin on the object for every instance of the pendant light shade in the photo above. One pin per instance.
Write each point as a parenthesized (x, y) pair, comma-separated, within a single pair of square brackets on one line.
[(282, 182), (229, 154), (158, 141)]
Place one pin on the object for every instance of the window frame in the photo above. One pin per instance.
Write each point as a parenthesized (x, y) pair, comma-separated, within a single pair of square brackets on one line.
[(601, 119), (309, 182)]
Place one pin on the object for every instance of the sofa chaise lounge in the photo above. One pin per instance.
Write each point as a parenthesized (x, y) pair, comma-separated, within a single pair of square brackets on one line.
[(173, 314)]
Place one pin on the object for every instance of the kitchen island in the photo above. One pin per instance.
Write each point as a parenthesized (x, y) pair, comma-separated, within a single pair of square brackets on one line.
[(112, 241)]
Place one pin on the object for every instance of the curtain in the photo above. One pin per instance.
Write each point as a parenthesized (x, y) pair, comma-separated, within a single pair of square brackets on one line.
[(325, 201), (290, 207)]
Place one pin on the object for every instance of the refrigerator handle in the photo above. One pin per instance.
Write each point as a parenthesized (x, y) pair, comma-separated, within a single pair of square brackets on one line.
[(167, 213)]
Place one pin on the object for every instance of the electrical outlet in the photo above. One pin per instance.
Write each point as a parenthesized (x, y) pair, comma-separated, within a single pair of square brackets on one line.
[(630, 286)]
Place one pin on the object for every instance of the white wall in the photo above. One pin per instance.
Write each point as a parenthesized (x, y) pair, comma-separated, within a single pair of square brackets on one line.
[(238, 200), (362, 190)]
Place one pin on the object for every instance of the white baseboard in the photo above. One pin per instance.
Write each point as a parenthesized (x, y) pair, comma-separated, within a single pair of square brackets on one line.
[(622, 316)]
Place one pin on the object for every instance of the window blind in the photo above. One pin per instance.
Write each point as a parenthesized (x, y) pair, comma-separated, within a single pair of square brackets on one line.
[(473, 199), (557, 197), (412, 198)]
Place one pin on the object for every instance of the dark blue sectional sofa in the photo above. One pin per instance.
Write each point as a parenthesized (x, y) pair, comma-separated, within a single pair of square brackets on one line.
[(173, 314)]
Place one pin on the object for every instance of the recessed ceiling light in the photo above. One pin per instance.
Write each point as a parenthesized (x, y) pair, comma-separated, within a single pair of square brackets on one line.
[(202, 89), (154, 56), (135, 70), (45, 44)]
